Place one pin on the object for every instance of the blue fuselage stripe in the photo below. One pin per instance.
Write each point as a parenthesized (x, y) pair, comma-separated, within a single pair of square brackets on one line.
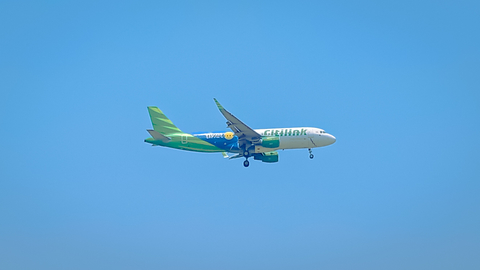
[(219, 140)]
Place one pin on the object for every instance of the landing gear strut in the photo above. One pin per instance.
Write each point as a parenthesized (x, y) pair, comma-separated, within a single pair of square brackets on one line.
[(310, 151), (246, 163)]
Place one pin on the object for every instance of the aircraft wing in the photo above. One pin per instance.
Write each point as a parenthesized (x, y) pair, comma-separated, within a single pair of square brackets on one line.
[(245, 134)]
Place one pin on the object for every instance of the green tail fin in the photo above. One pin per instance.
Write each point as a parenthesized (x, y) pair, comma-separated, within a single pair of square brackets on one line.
[(161, 123)]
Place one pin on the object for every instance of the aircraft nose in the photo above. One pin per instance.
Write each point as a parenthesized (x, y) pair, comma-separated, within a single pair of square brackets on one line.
[(331, 139)]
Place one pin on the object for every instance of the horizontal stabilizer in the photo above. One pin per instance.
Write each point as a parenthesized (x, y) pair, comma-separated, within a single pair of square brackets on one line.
[(157, 136), (235, 156)]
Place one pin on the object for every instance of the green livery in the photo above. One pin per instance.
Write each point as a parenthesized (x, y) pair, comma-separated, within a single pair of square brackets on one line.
[(161, 123), (178, 138)]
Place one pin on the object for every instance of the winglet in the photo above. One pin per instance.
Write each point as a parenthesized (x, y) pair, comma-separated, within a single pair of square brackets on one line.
[(218, 105)]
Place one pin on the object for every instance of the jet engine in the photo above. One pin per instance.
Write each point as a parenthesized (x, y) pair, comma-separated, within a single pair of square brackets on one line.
[(270, 142), (269, 157)]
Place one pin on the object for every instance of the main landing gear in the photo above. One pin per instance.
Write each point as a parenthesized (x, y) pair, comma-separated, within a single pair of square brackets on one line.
[(246, 163), (310, 151)]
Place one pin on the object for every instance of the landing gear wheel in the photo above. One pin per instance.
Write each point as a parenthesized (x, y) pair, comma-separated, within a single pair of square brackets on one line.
[(310, 151), (246, 163), (311, 156), (246, 153)]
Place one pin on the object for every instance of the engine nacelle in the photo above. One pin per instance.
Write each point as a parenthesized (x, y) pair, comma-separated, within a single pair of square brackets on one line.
[(267, 157), (270, 142)]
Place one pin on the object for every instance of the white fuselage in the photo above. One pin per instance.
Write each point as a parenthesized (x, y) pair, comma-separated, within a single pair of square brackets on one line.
[(293, 138)]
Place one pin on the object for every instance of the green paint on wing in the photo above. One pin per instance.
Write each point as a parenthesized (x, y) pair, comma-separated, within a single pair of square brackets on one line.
[(220, 107)]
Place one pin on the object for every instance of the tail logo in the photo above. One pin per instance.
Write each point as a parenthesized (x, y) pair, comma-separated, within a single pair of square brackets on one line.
[(229, 135)]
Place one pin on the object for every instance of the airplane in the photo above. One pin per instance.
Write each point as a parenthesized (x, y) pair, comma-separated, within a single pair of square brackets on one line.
[(243, 141)]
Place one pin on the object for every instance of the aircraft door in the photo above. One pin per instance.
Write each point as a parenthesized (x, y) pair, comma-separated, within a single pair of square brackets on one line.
[(184, 139)]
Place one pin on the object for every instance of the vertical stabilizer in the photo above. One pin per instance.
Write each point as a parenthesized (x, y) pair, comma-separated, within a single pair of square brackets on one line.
[(161, 123)]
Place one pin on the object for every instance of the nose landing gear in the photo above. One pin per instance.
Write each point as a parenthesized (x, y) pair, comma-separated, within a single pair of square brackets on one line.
[(246, 163), (310, 151)]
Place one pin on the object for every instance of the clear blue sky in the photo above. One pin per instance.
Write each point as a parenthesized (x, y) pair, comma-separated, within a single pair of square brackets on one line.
[(397, 83)]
